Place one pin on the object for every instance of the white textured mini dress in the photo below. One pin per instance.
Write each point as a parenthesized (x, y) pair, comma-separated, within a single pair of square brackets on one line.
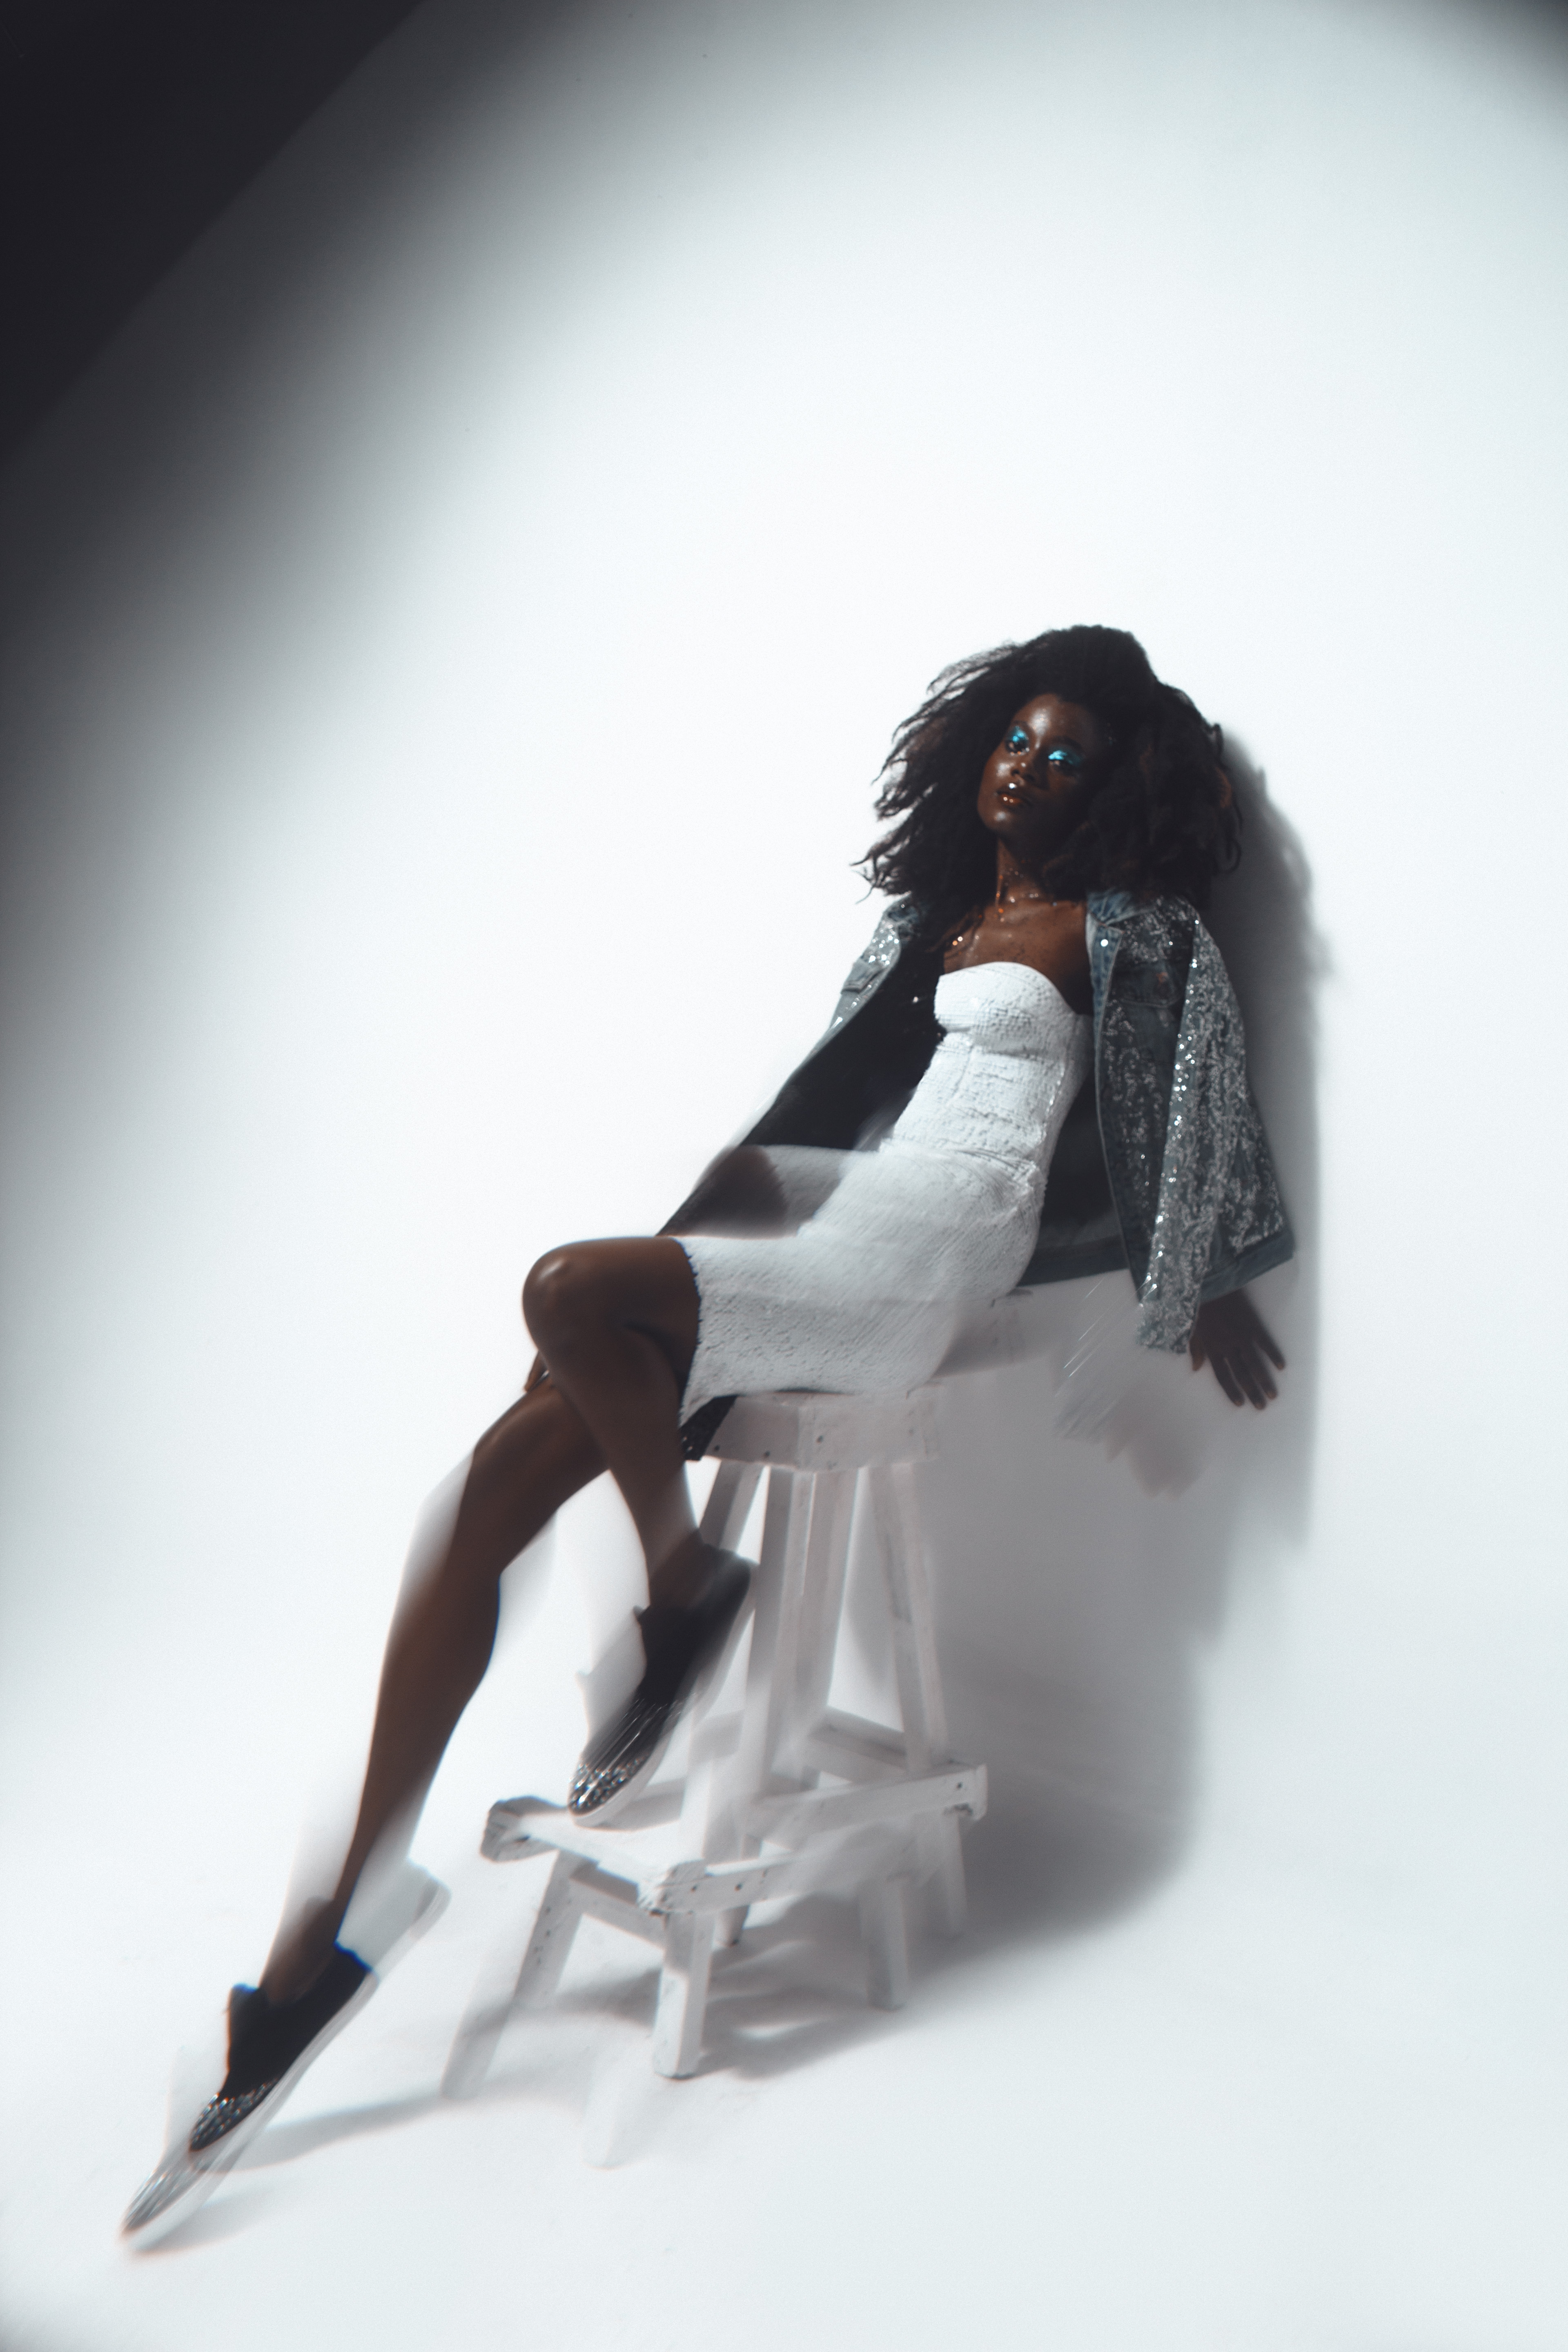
[(941, 1217)]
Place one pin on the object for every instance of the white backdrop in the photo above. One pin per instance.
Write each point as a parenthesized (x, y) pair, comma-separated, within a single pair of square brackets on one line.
[(451, 636)]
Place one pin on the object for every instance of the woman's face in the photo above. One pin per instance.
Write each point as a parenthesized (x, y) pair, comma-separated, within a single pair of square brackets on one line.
[(1036, 784)]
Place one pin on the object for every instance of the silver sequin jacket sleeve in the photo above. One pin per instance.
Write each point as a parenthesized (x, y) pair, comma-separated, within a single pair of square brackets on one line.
[(1189, 1164)]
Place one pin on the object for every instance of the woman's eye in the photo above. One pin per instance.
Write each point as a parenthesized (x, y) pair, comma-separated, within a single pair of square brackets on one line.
[(1017, 740), (1064, 756)]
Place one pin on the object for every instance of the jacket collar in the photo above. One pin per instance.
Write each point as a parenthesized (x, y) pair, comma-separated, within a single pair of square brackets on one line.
[(1111, 906)]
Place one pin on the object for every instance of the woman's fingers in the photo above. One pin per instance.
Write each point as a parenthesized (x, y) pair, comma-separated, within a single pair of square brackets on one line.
[(1241, 1373), (1253, 1377), (1255, 1332), (1265, 1343)]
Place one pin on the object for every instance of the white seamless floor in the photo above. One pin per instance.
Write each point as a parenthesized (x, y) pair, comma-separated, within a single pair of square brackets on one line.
[(1241, 2108)]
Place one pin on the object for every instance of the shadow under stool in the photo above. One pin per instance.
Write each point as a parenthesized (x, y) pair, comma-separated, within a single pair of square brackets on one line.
[(788, 1795)]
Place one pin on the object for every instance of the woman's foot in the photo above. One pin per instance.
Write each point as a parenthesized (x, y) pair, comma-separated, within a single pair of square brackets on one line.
[(682, 1641), (271, 2044)]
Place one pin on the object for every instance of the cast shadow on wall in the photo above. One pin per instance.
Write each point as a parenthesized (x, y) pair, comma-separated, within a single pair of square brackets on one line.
[(1074, 1605)]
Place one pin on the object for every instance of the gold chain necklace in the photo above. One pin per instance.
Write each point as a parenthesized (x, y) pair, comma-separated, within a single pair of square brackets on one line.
[(977, 922)]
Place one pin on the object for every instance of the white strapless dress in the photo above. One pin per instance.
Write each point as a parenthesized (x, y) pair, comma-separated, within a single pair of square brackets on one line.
[(911, 1237)]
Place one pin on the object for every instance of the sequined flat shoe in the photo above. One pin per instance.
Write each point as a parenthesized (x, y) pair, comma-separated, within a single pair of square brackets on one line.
[(684, 1649), (271, 2044)]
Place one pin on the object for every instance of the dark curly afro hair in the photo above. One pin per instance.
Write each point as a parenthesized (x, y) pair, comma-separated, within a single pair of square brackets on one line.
[(1165, 818)]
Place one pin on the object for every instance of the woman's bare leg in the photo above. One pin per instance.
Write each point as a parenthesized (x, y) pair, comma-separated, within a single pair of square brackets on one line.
[(616, 1323), (531, 1462)]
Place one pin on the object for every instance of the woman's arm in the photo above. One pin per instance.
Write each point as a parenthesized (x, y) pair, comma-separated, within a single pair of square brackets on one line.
[(736, 1193)]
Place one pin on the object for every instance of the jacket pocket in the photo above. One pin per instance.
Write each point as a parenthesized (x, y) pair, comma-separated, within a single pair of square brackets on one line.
[(1144, 983)]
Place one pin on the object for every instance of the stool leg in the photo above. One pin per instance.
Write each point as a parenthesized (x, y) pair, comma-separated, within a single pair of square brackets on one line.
[(728, 1504), (887, 1943), (683, 1992), (475, 2041), (772, 1665), (902, 1551), (553, 1931), (826, 1501), (707, 1809), (942, 1857), (786, 1531), (902, 1547), (773, 1632), (822, 1597)]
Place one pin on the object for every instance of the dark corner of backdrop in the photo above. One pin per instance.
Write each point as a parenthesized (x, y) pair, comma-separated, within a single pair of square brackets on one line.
[(125, 127)]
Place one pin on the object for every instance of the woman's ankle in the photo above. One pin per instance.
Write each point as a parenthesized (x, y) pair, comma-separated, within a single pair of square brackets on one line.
[(683, 1576), (296, 1960)]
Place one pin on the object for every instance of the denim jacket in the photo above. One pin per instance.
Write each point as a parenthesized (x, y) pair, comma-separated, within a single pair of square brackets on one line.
[(1162, 1166)]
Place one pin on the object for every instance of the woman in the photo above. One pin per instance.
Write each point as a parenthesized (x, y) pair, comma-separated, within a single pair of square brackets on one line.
[(1056, 815)]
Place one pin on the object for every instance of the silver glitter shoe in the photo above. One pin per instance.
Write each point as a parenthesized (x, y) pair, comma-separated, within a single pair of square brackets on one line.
[(170, 2198), (271, 2044), (684, 1649)]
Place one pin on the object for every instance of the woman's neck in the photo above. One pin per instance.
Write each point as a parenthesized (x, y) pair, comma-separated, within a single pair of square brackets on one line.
[(1015, 883)]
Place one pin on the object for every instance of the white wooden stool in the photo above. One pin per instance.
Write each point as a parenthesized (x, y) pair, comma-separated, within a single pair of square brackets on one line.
[(790, 1794)]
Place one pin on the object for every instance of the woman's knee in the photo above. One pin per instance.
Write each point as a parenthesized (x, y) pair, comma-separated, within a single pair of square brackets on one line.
[(576, 1292), (567, 1290), (553, 1289)]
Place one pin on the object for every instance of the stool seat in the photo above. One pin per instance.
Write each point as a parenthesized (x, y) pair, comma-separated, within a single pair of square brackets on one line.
[(801, 1429), (789, 1795)]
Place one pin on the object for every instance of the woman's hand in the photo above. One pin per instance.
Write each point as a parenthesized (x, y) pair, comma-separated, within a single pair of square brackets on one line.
[(1232, 1338)]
